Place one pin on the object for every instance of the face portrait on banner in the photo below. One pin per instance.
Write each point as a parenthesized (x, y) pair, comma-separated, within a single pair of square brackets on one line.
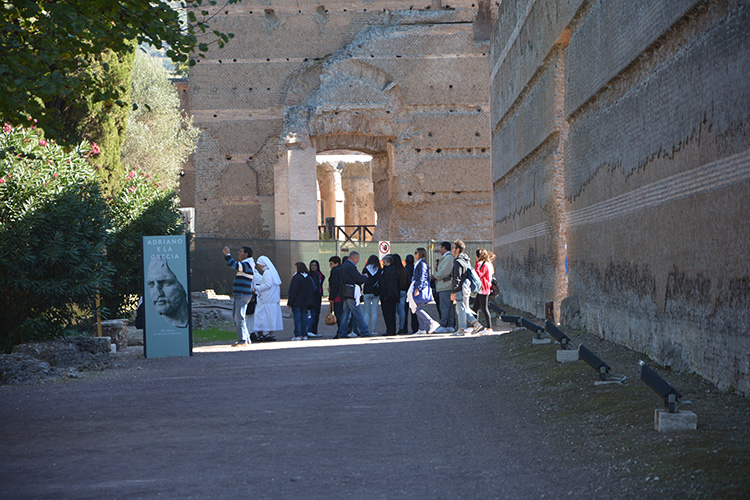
[(167, 293)]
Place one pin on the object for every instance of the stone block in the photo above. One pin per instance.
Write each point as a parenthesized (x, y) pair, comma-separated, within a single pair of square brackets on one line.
[(542, 341), (673, 422), (117, 330), (566, 356)]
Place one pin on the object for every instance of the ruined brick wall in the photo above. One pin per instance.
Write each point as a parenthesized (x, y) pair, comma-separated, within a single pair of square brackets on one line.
[(407, 83), (621, 173)]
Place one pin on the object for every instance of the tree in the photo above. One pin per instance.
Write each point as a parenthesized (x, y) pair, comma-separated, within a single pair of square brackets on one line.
[(158, 138), (44, 46), (53, 233)]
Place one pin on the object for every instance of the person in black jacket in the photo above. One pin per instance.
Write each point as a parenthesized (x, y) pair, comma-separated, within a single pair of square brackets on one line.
[(318, 278), (390, 293), (334, 290), (301, 300), (371, 292), (409, 268), (351, 279)]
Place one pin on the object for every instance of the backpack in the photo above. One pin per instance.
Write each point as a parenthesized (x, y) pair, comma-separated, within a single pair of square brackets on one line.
[(474, 282)]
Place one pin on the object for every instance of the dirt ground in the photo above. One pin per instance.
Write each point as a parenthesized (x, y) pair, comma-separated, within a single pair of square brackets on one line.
[(488, 416)]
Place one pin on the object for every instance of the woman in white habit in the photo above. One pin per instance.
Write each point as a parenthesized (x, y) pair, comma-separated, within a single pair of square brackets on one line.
[(268, 288)]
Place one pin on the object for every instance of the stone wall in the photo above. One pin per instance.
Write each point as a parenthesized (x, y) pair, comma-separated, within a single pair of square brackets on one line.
[(405, 83), (621, 170)]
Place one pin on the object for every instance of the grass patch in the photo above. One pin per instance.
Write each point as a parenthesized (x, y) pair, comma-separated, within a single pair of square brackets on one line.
[(208, 335)]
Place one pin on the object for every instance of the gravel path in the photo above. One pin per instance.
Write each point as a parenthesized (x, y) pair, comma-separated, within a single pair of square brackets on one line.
[(438, 417)]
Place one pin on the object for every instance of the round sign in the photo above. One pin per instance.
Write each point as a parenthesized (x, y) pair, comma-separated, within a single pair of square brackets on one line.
[(384, 247)]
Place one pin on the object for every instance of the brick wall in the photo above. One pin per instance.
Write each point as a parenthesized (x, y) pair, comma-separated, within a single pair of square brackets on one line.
[(621, 166)]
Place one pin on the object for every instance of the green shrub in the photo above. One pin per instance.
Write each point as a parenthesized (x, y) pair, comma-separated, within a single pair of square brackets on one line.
[(142, 207), (53, 233)]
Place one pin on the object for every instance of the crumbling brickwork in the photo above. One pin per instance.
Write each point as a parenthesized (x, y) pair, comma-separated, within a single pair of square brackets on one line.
[(406, 83), (621, 170)]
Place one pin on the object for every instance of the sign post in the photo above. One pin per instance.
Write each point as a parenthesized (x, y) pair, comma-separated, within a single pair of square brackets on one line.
[(166, 278), (384, 248)]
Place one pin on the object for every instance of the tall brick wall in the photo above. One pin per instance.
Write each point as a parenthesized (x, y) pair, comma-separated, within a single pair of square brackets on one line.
[(621, 173), (406, 83)]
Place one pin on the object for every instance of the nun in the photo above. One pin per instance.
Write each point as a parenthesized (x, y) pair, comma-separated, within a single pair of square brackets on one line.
[(268, 288)]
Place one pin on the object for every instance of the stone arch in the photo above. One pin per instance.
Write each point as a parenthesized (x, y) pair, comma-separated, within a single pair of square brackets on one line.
[(354, 106)]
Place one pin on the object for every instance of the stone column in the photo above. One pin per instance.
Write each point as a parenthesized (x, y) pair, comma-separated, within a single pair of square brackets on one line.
[(295, 197), (327, 186), (356, 180)]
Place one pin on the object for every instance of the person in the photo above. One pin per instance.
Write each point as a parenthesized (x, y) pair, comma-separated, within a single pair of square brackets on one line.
[(411, 318), (371, 292), (461, 290), (267, 284), (318, 277), (167, 293), (301, 300), (242, 291), (421, 292), (390, 294), (334, 290), (351, 279), (443, 288), (484, 268), (404, 282)]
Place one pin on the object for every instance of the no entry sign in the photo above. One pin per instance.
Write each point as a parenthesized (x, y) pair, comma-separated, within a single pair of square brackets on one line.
[(384, 248)]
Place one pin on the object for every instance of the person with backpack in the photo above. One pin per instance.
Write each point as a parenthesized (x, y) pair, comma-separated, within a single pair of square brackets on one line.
[(461, 287), (484, 269)]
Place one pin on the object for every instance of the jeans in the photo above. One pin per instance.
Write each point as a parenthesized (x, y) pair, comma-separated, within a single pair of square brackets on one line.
[(370, 307), (389, 305), (301, 321), (352, 311), (401, 311), (463, 311), (238, 314), (447, 312), (315, 311), (425, 320)]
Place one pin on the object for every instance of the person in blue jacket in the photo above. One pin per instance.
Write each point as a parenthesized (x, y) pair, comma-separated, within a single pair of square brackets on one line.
[(422, 292)]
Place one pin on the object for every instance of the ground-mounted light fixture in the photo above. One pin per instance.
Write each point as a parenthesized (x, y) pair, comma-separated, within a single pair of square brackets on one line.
[(669, 394), (598, 364)]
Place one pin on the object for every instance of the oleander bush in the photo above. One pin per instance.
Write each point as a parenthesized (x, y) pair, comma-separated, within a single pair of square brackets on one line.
[(53, 235)]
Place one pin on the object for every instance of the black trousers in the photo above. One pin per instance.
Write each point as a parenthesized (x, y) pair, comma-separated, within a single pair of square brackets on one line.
[(481, 303), (389, 305)]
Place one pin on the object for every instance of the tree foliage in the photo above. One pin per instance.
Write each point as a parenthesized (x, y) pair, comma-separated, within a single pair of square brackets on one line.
[(142, 207), (158, 139), (53, 233), (44, 46)]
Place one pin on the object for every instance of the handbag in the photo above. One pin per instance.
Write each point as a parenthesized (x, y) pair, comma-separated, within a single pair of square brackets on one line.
[(348, 292), (251, 305), (495, 290), (330, 317)]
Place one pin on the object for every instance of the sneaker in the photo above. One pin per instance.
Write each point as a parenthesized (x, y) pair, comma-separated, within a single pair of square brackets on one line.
[(488, 330), (373, 334), (442, 329), (457, 334), (296, 338), (420, 332), (351, 335), (477, 328), (314, 335), (433, 326), (467, 330)]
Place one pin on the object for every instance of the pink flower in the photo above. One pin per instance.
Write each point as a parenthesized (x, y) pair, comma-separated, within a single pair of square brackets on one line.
[(54, 175), (131, 189), (131, 174), (42, 142), (7, 127), (2, 181), (95, 149)]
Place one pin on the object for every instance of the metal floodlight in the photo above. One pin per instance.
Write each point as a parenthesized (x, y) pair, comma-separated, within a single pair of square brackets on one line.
[(669, 394), (557, 334), (533, 327), (515, 320), (598, 364)]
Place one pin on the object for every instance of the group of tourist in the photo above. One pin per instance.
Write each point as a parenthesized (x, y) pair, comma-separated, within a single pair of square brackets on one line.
[(402, 288)]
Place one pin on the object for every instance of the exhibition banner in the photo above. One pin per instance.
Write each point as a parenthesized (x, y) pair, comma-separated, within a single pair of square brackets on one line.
[(166, 297)]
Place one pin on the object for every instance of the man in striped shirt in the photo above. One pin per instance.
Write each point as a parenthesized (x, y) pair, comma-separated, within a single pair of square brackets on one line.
[(242, 289)]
